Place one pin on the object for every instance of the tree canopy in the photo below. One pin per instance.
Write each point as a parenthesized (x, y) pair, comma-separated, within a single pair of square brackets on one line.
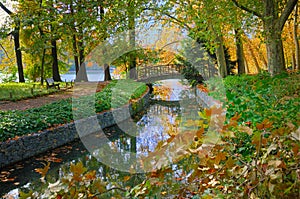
[(252, 35)]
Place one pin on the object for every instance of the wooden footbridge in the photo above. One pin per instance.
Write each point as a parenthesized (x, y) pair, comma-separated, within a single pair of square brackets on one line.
[(150, 74)]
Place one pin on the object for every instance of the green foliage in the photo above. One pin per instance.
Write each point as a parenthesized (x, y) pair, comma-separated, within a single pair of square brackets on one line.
[(251, 160), (18, 123), (263, 97)]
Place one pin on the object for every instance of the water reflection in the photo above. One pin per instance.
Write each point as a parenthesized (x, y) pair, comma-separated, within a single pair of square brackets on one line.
[(155, 124)]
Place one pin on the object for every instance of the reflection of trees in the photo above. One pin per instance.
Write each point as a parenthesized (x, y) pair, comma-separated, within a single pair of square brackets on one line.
[(157, 125)]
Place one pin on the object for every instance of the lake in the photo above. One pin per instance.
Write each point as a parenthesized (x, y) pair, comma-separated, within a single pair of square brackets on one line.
[(93, 75)]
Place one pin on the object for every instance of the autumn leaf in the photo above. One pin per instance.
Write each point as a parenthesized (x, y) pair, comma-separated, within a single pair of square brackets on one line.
[(265, 124), (200, 132), (295, 149), (126, 178), (256, 139), (24, 195), (208, 112), (236, 116), (202, 88), (91, 175), (43, 171), (220, 156), (230, 162), (77, 170), (101, 186)]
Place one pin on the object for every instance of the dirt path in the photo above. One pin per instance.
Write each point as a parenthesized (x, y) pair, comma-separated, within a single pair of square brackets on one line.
[(40, 101), (34, 102)]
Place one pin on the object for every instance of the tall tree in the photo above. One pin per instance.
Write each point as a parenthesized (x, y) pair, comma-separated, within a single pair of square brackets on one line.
[(107, 76), (131, 26), (296, 40), (240, 52), (273, 14), (16, 35), (54, 37)]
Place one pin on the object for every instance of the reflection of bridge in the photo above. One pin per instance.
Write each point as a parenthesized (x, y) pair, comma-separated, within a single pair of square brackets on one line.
[(162, 107), (159, 72)]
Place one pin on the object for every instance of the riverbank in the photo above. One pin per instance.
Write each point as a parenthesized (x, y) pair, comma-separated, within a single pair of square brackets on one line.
[(23, 147)]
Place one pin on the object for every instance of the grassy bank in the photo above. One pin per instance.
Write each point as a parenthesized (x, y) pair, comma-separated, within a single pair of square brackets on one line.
[(18, 123)]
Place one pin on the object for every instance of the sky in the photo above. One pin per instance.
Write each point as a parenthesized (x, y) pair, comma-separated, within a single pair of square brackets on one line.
[(3, 15)]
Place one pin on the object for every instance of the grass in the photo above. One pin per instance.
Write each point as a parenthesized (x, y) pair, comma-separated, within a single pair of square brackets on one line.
[(18, 91)]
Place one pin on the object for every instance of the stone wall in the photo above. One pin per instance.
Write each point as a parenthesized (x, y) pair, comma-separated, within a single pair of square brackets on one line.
[(205, 100), (27, 146)]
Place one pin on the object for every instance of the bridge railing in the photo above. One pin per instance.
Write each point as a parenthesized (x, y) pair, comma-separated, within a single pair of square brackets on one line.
[(158, 70)]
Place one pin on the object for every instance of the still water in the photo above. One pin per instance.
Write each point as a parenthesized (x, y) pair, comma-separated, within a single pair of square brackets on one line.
[(151, 126), (93, 75)]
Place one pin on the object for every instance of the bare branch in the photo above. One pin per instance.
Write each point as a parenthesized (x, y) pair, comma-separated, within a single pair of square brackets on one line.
[(4, 51), (175, 20), (5, 9)]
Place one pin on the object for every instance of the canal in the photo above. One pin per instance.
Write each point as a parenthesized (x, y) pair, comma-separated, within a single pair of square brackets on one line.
[(152, 126)]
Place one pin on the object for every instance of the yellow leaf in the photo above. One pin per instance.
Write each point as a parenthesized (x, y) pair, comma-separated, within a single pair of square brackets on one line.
[(91, 175), (163, 193), (230, 162), (43, 171), (100, 186), (220, 156), (126, 178), (77, 170), (200, 132)]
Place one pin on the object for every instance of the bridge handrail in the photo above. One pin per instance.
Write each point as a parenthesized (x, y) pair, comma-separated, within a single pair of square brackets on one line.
[(149, 71)]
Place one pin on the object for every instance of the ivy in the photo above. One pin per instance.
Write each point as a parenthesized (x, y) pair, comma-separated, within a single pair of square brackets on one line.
[(19, 123)]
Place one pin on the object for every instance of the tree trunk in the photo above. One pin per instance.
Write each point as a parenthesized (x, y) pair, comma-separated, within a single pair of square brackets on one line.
[(239, 52), (42, 66), (221, 57), (16, 35), (107, 76), (273, 25), (246, 67), (74, 40), (256, 64), (261, 56), (83, 73), (43, 57), (275, 54), (131, 27), (55, 69), (76, 62), (293, 61), (297, 48)]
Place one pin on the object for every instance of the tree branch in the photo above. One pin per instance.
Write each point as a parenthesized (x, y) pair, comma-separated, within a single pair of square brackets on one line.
[(4, 51), (286, 13), (5, 9), (179, 22), (247, 9)]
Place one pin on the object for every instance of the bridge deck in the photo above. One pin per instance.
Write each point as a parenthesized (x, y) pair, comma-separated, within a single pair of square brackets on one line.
[(159, 72)]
